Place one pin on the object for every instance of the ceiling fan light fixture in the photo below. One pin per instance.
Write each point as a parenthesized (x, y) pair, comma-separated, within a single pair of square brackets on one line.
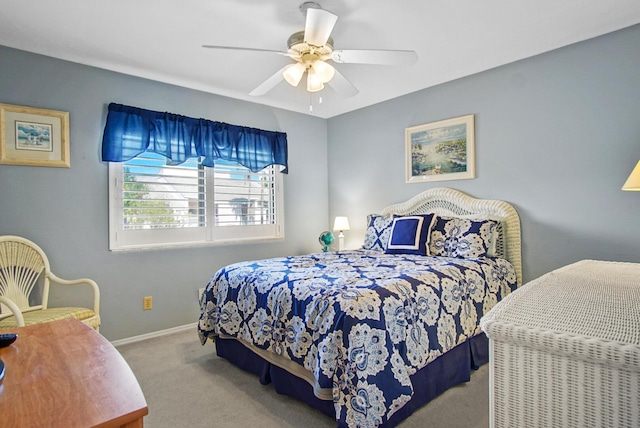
[(310, 50), (323, 70), (293, 73), (314, 84)]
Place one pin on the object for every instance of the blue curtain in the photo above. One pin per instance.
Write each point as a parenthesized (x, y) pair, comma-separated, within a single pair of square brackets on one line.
[(131, 131)]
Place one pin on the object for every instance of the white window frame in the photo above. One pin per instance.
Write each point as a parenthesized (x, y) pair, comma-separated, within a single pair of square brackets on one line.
[(122, 240)]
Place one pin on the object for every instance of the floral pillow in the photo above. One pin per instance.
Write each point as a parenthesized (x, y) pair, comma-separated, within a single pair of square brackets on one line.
[(378, 231), (410, 234), (462, 238)]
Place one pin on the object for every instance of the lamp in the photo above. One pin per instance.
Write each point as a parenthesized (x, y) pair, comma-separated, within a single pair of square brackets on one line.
[(293, 73), (633, 182), (324, 71), (314, 84), (341, 223), (318, 73)]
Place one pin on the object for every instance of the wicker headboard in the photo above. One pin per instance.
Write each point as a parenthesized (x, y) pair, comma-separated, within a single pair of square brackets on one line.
[(451, 202)]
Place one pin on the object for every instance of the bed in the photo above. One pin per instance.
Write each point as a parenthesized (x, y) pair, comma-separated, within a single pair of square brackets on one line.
[(367, 336)]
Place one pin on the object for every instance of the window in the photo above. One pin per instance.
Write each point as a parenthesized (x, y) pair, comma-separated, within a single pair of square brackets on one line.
[(153, 204)]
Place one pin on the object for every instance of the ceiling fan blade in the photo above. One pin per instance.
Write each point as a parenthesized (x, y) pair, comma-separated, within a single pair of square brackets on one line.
[(232, 48), (318, 26), (269, 84), (342, 86), (382, 57)]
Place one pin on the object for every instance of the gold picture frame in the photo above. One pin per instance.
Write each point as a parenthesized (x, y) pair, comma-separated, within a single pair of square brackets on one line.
[(443, 150), (34, 136)]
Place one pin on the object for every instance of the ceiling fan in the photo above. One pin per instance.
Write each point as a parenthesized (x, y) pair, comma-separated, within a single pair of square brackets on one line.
[(311, 50)]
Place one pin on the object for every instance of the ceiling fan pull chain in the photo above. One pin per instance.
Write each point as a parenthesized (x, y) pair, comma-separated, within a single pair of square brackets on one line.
[(311, 101)]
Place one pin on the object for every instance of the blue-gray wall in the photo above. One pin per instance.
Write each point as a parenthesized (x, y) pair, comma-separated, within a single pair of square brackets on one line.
[(65, 211), (556, 135)]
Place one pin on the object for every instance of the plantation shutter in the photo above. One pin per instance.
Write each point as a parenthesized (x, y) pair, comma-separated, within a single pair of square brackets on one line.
[(157, 195), (243, 197)]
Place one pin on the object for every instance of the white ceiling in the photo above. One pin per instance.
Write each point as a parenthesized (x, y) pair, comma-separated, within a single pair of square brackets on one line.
[(162, 39)]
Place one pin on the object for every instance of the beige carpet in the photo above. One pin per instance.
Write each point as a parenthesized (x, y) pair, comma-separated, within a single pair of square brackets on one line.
[(187, 385)]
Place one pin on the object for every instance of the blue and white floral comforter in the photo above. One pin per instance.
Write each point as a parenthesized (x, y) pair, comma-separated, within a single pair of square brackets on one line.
[(360, 321)]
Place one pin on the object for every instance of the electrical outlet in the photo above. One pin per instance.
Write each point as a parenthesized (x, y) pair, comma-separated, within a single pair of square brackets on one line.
[(147, 303)]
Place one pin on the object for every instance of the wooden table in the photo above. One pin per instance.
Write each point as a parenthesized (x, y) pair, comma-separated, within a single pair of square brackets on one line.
[(65, 374)]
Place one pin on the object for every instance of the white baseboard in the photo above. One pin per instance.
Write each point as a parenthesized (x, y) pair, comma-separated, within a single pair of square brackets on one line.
[(151, 335)]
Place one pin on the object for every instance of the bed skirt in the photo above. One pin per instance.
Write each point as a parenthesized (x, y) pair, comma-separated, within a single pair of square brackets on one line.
[(444, 372)]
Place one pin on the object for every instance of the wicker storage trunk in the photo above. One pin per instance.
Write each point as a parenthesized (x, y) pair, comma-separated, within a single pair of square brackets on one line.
[(565, 349)]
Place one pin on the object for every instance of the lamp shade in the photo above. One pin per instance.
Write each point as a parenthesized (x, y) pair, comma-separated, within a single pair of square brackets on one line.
[(314, 84), (341, 223), (324, 71), (293, 73), (633, 182)]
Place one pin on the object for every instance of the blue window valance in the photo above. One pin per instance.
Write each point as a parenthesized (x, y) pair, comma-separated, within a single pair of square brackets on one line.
[(131, 131)]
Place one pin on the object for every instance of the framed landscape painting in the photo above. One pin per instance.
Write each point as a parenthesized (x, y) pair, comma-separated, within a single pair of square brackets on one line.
[(34, 136), (442, 150)]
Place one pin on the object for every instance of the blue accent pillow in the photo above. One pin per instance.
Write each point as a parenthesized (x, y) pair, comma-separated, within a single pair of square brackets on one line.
[(378, 231), (409, 234), (462, 238)]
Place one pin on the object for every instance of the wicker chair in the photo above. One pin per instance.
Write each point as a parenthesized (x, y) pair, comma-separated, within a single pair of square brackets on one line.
[(21, 264)]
